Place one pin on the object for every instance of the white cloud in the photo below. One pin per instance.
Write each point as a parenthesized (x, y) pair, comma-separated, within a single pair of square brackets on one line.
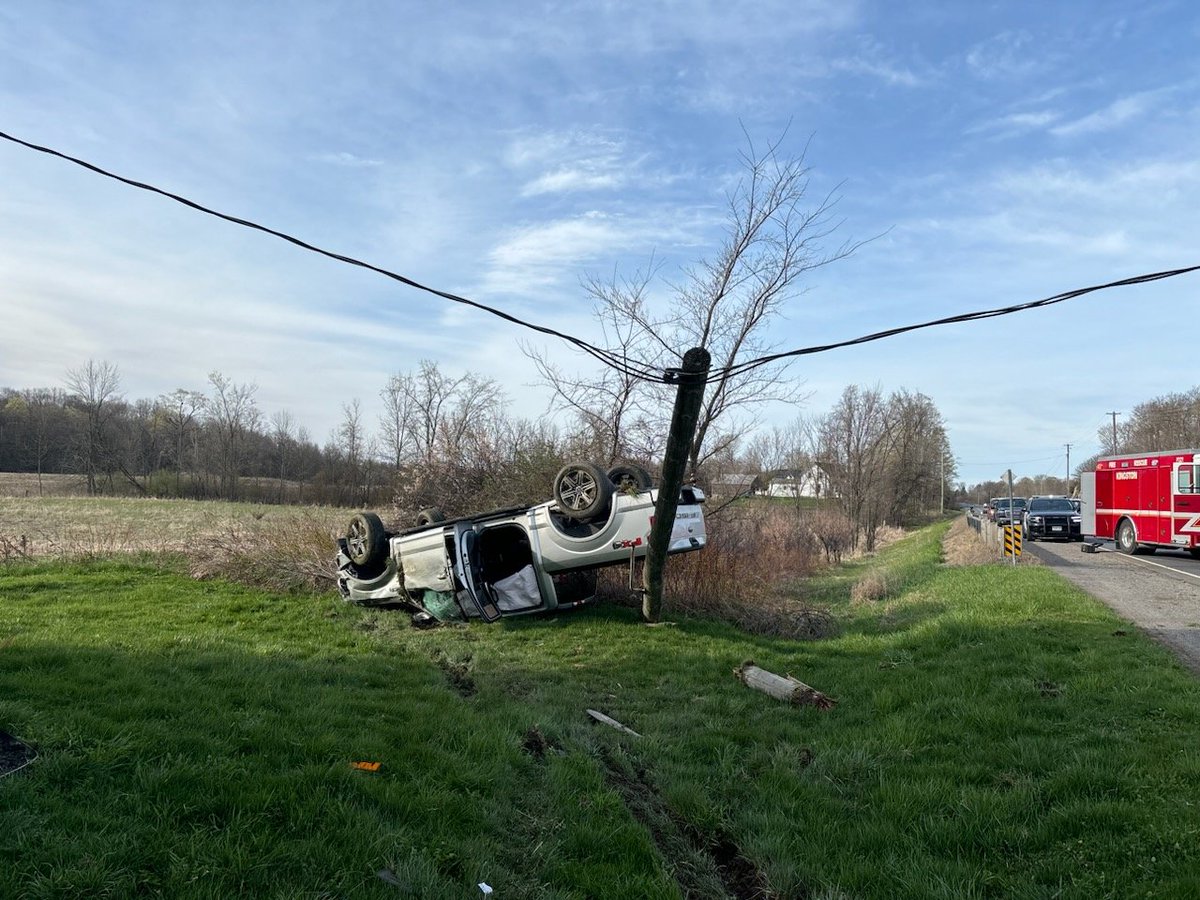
[(344, 158), (1116, 114), (873, 60), (569, 180), (544, 255), (1004, 56), (1016, 123), (570, 162)]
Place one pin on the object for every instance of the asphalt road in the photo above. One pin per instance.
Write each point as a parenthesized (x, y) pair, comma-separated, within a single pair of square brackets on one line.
[(1160, 594)]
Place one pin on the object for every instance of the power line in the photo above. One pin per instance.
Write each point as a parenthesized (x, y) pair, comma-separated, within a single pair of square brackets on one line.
[(605, 356), (740, 368), (619, 362)]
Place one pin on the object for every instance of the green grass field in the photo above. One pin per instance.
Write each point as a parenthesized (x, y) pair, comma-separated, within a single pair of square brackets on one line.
[(997, 734)]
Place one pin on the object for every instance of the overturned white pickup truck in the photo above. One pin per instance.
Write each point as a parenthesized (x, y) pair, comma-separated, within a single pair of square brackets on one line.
[(513, 561)]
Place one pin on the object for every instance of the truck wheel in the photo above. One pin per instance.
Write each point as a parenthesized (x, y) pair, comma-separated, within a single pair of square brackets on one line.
[(366, 540), (1195, 552), (582, 491), (431, 515), (630, 479), (1126, 538)]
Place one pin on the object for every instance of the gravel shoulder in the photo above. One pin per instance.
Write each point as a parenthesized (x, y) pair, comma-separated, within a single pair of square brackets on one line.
[(1162, 603)]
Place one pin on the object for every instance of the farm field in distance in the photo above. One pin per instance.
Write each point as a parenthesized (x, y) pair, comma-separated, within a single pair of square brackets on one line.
[(64, 522), (997, 733)]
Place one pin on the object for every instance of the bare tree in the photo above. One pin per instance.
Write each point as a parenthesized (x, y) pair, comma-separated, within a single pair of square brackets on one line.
[(470, 427), (42, 407), (886, 458), (916, 461), (431, 416), (431, 399), (283, 427), (853, 442), (396, 421), (95, 388), (1169, 422), (232, 416), (350, 443), (180, 410), (619, 412), (726, 304), (145, 427)]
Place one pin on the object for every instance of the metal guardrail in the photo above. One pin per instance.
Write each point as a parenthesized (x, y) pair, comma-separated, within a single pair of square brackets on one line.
[(992, 533)]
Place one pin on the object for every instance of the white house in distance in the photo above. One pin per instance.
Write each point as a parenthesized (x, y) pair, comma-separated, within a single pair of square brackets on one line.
[(810, 482)]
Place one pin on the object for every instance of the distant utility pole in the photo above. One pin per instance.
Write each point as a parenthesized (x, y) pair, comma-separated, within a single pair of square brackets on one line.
[(1068, 470), (942, 482), (1114, 442)]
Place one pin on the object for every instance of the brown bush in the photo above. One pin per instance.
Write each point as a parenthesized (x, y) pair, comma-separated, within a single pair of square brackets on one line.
[(287, 556), (833, 530), (871, 587), (462, 490), (752, 552)]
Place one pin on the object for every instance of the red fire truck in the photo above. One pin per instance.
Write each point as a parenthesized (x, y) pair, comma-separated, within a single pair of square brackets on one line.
[(1144, 501)]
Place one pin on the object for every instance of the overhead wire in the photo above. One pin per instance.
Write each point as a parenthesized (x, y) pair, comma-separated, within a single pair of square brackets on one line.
[(741, 368), (619, 362), (605, 356)]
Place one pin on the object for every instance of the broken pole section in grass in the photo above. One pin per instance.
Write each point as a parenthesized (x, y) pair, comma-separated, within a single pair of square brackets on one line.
[(691, 378), (788, 689), (610, 722)]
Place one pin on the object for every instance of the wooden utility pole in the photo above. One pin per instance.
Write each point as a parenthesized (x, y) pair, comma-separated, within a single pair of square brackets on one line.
[(1114, 441), (690, 378)]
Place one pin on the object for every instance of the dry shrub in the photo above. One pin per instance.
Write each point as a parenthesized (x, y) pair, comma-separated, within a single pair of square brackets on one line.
[(287, 556), (460, 489), (871, 587), (752, 552), (14, 548), (888, 534), (834, 531), (76, 543)]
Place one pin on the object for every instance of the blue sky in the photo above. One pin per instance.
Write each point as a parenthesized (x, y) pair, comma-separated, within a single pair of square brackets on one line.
[(1004, 151)]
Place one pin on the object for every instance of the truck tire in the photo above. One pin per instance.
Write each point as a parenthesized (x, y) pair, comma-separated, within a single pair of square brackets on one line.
[(582, 491), (366, 540), (1126, 538), (431, 515), (630, 479)]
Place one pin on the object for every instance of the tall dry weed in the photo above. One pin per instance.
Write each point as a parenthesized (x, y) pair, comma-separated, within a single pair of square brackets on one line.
[(753, 551), (833, 530), (286, 556)]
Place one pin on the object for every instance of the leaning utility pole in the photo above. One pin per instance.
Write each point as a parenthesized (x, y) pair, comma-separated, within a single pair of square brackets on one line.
[(691, 379)]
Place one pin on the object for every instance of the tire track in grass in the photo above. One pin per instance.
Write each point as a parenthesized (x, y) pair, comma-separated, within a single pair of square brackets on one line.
[(457, 672), (703, 864)]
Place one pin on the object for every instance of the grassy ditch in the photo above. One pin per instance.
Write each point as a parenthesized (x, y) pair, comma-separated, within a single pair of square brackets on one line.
[(997, 733)]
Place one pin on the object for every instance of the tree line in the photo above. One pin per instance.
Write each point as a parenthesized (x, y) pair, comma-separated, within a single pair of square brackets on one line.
[(443, 440), (1167, 422)]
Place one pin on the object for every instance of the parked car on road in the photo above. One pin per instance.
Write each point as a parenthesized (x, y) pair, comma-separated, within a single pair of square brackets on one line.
[(1052, 518), (1005, 516), (513, 561)]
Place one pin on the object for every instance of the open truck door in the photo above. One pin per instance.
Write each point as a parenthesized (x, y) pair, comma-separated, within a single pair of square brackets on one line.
[(468, 567)]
